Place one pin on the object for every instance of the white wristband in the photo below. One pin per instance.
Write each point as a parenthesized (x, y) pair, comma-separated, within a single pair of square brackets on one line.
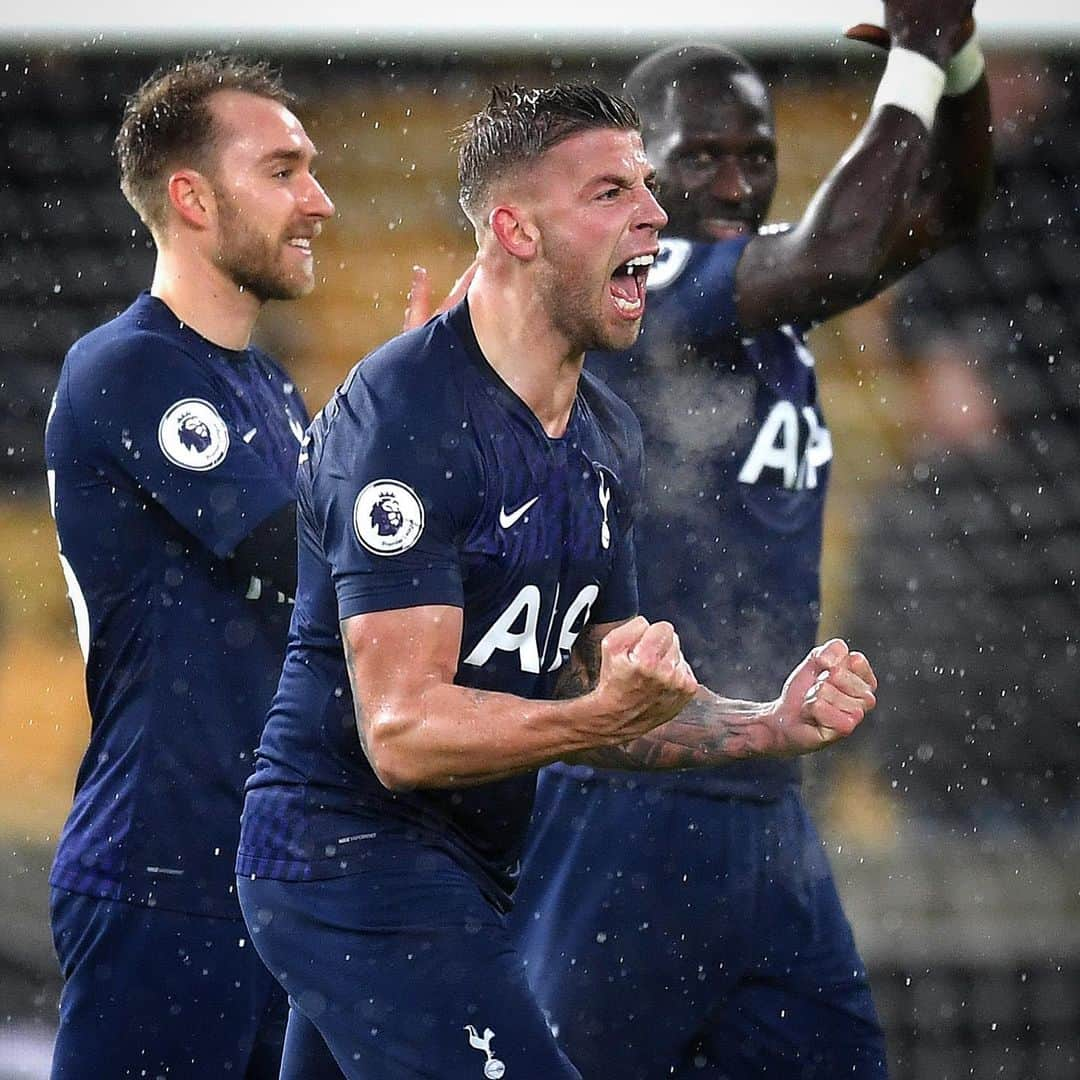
[(965, 68), (911, 82)]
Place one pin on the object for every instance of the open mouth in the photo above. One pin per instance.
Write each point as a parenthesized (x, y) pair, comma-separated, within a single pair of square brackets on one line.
[(628, 285)]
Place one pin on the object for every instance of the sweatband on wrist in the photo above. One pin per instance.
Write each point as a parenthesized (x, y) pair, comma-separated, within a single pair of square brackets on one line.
[(965, 68), (911, 82)]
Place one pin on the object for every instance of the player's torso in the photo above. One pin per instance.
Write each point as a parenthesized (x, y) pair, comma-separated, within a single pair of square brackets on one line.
[(181, 652), (542, 545), (737, 453), (539, 524)]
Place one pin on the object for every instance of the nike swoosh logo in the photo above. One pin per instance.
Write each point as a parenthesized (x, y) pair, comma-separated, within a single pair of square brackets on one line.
[(506, 520), (248, 436)]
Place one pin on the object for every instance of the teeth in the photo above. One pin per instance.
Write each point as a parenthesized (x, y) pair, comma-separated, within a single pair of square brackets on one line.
[(638, 262), (629, 306), (301, 242)]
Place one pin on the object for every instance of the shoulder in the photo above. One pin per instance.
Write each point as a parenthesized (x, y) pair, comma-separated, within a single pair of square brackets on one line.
[(683, 265), (412, 377), (122, 356), (405, 398)]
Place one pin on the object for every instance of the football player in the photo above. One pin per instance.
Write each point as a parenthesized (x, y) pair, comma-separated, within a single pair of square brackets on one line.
[(467, 612), (709, 940), (172, 446)]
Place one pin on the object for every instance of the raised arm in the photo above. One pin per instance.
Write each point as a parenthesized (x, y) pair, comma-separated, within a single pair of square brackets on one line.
[(824, 699), (953, 195), (897, 195), (419, 729)]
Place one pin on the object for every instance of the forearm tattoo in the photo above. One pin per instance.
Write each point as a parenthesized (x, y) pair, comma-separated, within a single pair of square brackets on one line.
[(709, 731)]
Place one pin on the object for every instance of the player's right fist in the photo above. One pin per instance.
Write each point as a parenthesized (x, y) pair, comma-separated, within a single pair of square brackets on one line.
[(644, 679)]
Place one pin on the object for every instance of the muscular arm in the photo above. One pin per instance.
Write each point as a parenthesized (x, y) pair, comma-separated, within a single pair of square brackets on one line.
[(710, 731), (897, 195), (419, 729), (951, 198), (816, 706)]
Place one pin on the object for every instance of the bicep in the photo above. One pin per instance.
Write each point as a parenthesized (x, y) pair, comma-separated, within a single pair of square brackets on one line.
[(849, 243), (778, 281), (394, 656), (801, 277)]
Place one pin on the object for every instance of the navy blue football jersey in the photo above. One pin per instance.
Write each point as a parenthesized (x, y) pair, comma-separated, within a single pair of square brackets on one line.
[(729, 536), (426, 480), (164, 451)]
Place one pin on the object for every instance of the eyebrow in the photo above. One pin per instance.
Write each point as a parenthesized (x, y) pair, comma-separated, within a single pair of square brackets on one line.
[(621, 181), (285, 154)]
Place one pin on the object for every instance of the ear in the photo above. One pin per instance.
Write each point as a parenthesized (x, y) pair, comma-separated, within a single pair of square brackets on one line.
[(192, 198), (515, 232)]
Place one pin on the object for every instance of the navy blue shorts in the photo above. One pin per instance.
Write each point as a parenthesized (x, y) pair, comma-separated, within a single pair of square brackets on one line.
[(403, 969), (671, 934), (151, 993)]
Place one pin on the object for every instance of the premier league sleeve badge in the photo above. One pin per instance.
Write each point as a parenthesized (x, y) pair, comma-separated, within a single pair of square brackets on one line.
[(193, 435)]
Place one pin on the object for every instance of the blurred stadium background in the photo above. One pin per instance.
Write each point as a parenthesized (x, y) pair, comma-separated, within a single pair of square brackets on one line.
[(953, 824)]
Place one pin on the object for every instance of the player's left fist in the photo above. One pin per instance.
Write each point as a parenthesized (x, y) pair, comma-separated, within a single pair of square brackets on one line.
[(826, 697)]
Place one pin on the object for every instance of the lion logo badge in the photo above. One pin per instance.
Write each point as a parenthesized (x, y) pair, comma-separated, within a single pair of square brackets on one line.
[(388, 517), (193, 435)]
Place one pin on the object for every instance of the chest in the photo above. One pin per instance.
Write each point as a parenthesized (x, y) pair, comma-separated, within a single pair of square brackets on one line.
[(266, 413), (545, 545), (784, 442)]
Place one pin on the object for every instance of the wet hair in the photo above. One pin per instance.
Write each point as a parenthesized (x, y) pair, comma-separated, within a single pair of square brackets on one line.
[(168, 121), (697, 69), (518, 125)]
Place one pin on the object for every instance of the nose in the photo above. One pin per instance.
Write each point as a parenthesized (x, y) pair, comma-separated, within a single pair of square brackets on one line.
[(316, 202), (729, 182), (653, 215)]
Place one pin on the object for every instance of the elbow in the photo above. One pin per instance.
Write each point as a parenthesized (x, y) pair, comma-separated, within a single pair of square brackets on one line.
[(391, 752)]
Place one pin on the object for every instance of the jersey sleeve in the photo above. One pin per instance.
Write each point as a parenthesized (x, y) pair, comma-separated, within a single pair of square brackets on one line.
[(693, 284), (390, 498), (145, 409)]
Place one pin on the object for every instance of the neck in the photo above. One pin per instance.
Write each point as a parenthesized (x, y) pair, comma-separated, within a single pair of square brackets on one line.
[(204, 298), (519, 340)]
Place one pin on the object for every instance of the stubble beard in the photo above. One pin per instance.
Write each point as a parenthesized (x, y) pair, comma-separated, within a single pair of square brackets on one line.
[(574, 311), (252, 260)]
